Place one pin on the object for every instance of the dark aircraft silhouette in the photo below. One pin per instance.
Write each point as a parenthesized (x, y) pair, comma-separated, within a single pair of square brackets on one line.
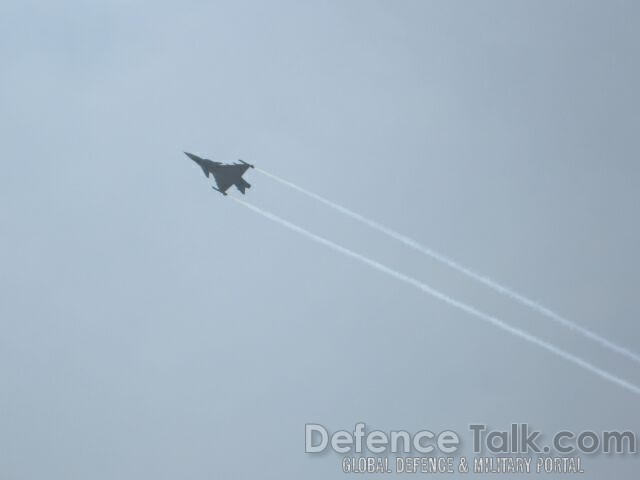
[(225, 175)]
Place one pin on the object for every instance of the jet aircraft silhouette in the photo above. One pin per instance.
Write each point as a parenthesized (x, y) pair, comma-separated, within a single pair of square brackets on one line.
[(225, 175)]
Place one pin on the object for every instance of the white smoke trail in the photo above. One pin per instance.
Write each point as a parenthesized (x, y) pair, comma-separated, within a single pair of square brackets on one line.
[(464, 270), (447, 299)]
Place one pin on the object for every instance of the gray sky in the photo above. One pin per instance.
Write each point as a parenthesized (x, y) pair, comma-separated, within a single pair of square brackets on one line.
[(150, 328)]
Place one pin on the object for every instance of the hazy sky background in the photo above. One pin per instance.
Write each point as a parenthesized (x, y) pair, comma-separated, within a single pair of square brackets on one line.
[(150, 328)]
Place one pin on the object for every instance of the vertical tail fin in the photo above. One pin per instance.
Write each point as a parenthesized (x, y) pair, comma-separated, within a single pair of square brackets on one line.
[(242, 184)]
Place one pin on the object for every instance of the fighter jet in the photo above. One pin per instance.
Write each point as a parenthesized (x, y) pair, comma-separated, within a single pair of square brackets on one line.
[(225, 175)]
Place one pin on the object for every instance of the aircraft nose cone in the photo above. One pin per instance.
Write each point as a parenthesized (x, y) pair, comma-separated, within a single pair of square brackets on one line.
[(192, 156)]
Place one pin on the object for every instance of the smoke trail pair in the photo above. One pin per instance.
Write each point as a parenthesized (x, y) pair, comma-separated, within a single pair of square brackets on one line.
[(447, 299), (465, 271)]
